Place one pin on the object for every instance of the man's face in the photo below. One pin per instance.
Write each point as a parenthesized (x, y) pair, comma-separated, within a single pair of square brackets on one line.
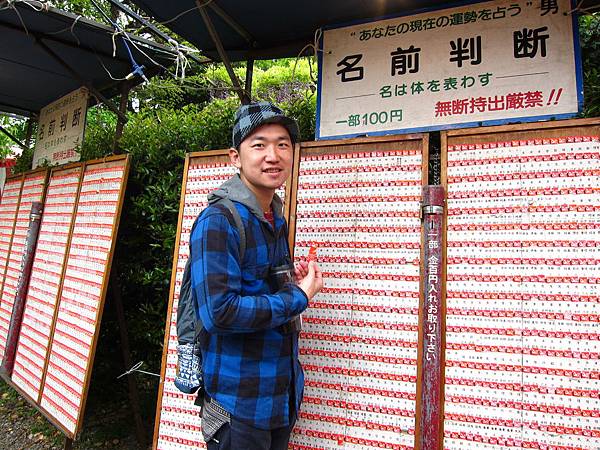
[(264, 158)]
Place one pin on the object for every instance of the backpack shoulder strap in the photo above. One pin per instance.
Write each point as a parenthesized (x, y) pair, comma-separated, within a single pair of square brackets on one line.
[(237, 220)]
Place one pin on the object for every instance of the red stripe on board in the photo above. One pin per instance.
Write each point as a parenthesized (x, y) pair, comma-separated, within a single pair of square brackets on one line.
[(593, 375), (369, 425), (362, 324), (351, 339), (362, 390), (358, 356), (359, 373), (181, 441), (60, 409), (63, 369)]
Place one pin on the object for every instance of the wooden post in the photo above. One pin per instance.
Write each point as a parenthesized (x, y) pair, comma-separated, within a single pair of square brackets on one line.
[(120, 122), (29, 132), (134, 398), (430, 417)]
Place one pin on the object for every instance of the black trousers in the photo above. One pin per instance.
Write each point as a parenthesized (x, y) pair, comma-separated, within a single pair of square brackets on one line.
[(239, 436)]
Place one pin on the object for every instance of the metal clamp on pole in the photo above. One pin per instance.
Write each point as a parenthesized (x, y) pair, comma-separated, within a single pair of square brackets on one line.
[(433, 200), (432, 209)]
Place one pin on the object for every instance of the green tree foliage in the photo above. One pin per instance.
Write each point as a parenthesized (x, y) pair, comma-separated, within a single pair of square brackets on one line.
[(17, 128), (589, 31), (83, 7)]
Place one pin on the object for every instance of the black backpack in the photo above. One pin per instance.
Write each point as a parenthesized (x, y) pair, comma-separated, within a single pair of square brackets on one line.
[(188, 377)]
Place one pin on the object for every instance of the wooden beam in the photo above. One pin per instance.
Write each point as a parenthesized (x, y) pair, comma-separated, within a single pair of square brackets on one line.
[(249, 73), (13, 138), (221, 50), (231, 22)]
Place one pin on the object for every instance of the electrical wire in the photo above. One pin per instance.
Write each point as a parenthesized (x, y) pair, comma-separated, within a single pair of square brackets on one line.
[(315, 46), (181, 14), (137, 69), (108, 71), (71, 28)]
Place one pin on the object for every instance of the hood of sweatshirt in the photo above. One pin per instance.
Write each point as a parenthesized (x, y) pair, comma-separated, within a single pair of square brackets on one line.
[(235, 190)]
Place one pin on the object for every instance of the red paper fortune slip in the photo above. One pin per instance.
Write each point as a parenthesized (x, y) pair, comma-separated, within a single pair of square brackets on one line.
[(312, 253)]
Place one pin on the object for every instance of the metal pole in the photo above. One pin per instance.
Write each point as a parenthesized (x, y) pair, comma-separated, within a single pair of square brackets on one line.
[(430, 423), (16, 318), (221, 50), (232, 23)]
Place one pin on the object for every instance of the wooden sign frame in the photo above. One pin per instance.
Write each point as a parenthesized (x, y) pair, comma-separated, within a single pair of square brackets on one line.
[(36, 403), (23, 177), (14, 222), (507, 133), (474, 135), (380, 143), (206, 157)]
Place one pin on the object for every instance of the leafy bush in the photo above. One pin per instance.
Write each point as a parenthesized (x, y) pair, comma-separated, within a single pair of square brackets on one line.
[(589, 31)]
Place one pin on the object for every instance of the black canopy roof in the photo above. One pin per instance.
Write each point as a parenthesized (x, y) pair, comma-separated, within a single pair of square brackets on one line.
[(30, 77), (262, 29)]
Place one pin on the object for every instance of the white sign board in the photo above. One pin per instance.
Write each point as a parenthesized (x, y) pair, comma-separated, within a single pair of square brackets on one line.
[(489, 62), (60, 130)]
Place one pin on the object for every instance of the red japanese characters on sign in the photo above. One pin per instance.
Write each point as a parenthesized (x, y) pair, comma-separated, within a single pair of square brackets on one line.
[(482, 62), (61, 129)]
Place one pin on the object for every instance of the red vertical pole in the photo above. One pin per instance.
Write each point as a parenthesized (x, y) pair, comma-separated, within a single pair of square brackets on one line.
[(431, 352), (19, 305)]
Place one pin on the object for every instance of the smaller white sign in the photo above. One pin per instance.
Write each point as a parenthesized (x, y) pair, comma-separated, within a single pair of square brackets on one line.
[(60, 129)]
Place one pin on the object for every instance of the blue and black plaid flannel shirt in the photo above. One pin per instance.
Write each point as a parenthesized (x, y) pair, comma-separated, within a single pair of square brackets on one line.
[(250, 367)]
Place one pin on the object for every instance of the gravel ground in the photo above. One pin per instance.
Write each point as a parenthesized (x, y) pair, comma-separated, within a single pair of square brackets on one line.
[(22, 427)]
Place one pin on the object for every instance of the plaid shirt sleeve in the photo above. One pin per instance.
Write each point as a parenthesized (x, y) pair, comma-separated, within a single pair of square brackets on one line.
[(217, 281)]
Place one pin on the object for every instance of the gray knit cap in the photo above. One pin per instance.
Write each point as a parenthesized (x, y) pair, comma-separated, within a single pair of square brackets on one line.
[(251, 116)]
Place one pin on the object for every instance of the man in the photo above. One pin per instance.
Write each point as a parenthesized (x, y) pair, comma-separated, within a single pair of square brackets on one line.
[(249, 312)]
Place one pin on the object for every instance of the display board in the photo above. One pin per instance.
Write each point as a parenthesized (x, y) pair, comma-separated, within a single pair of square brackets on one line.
[(177, 424), (66, 293), (8, 212), (46, 273), (32, 190), (522, 339), (358, 202)]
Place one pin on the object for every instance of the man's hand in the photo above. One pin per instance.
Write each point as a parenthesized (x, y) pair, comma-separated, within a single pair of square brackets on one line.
[(300, 270), (310, 278)]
